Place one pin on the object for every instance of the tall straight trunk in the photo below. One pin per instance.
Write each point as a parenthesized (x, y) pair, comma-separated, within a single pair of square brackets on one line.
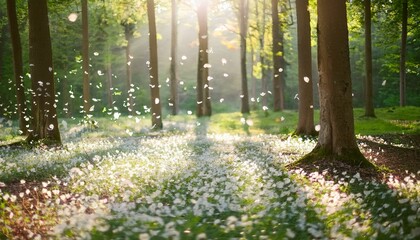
[(44, 115), (129, 32), (306, 109), (403, 53), (17, 66), (336, 137), (109, 85), (65, 89), (173, 68), (253, 78), (262, 57), (369, 110), (154, 77), (243, 25), (203, 93), (278, 91), (85, 56)]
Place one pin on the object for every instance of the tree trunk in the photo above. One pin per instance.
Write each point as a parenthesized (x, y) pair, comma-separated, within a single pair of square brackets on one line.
[(173, 69), (109, 85), (129, 32), (65, 89), (369, 109), (17, 66), (306, 108), (278, 68), (44, 115), (154, 78), (403, 53), (336, 137), (262, 57), (85, 56), (243, 25), (203, 93)]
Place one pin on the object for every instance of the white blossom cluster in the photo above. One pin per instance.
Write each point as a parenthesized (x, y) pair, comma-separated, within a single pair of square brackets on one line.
[(206, 186)]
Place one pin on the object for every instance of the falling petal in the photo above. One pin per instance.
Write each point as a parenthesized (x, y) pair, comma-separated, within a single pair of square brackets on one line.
[(72, 17)]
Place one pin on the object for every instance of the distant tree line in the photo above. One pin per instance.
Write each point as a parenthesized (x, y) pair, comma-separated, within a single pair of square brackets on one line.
[(276, 41)]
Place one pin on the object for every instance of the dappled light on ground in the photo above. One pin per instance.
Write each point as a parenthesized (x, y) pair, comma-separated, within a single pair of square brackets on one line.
[(194, 185)]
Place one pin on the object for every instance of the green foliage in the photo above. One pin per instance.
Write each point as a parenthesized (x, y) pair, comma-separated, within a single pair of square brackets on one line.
[(389, 120)]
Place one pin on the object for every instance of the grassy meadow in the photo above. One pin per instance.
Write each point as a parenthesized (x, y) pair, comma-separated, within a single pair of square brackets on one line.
[(223, 177)]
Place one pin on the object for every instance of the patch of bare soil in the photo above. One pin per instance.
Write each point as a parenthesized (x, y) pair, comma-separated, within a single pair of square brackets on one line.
[(397, 153), (393, 154)]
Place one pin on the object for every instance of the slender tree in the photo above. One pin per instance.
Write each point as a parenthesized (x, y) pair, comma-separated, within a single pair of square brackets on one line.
[(203, 93), (153, 68), (306, 111), (173, 68), (85, 56), (44, 115), (243, 28), (129, 34), (278, 68), (109, 84), (17, 66), (261, 26), (336, 137), (369, 109), (403, 53)]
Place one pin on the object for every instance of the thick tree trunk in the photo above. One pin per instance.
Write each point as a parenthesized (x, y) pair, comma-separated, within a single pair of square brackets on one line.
[(243, 25), (369, 109), (44, 116), (203, 93), (306, 108), (3, 39), (278, 68), (153, 69), (17, 66), (336, 137), (173, 68), (403, 53), (85, 56)]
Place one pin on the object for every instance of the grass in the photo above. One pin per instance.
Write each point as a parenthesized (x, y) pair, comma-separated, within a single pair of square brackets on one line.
[(222, 177)]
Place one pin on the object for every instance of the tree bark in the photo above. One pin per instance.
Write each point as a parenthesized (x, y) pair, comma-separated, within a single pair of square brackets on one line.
[(369, 109), (203, 93), (44, 116), (278, 68), (129, 32), (85, 56), (403, 53), (109, 85), (17, 66), (262, 56), (243, 25), (173, 68), (336, 137), (153, 69), (305, 81)]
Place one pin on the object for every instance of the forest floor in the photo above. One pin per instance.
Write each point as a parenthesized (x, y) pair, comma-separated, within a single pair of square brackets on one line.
[(394, 154), (399, 153), (187, 182)]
